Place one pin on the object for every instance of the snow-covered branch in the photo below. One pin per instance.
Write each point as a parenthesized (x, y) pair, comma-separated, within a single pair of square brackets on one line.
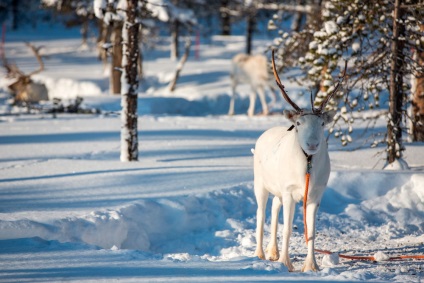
[(287, 7)]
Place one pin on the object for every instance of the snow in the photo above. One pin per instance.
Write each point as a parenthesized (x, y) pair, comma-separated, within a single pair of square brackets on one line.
[(330, 260), (380, 256), (320, 34), (158, 10), (98, 7), (356, 46), (71, 211), (398, 164), (331, 27)]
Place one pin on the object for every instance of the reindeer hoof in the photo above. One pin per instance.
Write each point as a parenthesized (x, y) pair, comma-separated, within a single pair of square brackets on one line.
[(308, 266), (260, 254), (272, 253), (287, 262)]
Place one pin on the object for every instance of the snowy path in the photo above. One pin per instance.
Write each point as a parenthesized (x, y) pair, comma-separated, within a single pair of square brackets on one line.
[(186, 212)]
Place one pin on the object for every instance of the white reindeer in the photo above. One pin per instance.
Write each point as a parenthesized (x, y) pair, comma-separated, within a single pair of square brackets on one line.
[(281, 158), (252, 70)]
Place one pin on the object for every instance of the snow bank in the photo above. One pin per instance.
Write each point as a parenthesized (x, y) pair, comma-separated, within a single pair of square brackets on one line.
[(403, 206), (191, 224), (65, 88)]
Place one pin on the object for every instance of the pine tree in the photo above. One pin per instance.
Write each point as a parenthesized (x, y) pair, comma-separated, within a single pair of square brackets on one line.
[(363, 33), (417, 89)]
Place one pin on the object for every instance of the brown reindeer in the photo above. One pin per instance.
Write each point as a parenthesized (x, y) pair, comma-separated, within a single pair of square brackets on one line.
[(24, 89)]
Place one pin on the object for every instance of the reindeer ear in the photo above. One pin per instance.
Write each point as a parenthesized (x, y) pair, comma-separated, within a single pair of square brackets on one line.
[(328, 116), (291, 115)]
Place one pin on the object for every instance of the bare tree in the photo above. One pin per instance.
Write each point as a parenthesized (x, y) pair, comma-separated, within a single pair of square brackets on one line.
[(175, 34), (180, 18), (116, 61), (172, 85)]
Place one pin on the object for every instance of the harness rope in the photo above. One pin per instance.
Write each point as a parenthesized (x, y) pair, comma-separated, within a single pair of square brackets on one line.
[(305, 198), (351, 257)]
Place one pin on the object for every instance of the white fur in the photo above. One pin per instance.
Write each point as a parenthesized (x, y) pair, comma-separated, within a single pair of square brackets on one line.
[(280, 169), (252, 70)]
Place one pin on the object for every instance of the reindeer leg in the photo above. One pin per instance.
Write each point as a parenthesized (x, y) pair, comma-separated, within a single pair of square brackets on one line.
[(262, 98), (272, 248), (288, 206), (233, 95), (261, 199), (310, 261), (251, 110)]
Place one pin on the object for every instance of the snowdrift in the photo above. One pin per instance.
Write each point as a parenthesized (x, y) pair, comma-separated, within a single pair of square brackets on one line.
[(221, 223)]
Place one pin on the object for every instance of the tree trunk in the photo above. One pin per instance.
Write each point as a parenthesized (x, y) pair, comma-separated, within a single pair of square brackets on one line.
[(140, 63), (84, 30), (225, 18), (129, 127), (180, 66), (297, 18), (251, 21), (175, 34), (115, 74), (394, 132), (174, 40), (105, 32), (418, 96), (15, 14)]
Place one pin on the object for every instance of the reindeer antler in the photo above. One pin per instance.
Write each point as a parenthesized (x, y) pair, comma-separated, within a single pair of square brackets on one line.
[(12, 70), (36, 51), (281, 86), (324, 103)]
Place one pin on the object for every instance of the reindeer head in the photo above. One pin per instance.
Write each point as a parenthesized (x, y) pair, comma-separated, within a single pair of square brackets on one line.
[(309, 124), (310, 128)]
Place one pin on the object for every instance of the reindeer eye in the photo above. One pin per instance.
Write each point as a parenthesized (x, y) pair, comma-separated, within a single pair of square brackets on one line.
[(322, 124), (298, 123)]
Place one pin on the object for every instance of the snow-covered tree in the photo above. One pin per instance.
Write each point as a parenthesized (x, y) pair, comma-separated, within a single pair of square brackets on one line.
[(79, 13), (363, 33), (125, 14)]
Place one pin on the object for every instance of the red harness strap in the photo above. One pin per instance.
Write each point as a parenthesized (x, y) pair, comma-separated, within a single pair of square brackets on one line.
[(305, 197), (305, 225)]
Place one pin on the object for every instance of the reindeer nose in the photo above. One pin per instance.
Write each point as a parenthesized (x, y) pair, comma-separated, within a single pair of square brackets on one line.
[(312, 145)]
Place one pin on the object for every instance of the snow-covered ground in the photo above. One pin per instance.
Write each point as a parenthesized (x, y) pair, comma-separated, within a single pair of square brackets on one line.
[(71, 211)]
